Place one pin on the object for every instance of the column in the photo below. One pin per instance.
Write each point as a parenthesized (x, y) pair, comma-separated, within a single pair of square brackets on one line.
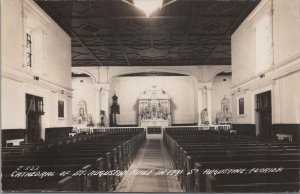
[(204, 100), (98, 104), (104, 99), (200, 104), (208, 103)]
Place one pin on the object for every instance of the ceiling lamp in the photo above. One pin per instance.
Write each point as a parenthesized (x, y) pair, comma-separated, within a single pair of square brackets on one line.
[(148, 6)]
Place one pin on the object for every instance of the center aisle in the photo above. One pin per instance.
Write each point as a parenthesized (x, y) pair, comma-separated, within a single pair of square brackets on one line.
[(152, 156)]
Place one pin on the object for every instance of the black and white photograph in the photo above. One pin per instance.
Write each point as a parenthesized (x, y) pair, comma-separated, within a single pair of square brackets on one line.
[(152, 96)]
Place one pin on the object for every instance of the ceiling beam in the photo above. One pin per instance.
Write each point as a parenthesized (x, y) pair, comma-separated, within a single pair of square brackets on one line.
[(116, 34), (194, 44), (148, 64), (186, 32), (171, 35), (194, 35), (199, 16), (73, 33), (148, 59), (230, 30)]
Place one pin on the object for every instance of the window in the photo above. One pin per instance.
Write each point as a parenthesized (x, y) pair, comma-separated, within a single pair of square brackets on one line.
[(263, 101), (241, 106), (28, 51), (34, 104), (35, 27), (61, 109)]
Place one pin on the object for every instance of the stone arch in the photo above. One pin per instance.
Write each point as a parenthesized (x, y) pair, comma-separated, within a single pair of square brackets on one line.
[(219, 71), (143, 70), (86, 72)]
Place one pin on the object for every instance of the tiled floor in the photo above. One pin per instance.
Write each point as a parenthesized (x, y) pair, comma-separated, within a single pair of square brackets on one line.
[(152, 156)]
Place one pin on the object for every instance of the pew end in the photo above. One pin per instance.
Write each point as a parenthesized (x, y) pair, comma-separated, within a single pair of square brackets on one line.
[(197, 187), (210, 183), (66, 184)]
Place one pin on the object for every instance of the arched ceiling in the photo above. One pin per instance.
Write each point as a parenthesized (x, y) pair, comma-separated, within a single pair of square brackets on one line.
[(113, 33)]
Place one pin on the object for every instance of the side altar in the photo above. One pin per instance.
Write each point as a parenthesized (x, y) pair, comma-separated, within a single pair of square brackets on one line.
[(154, 108)]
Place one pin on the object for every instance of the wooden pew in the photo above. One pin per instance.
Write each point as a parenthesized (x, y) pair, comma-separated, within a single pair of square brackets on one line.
[(213, 183), (201, 150), (84, 150)]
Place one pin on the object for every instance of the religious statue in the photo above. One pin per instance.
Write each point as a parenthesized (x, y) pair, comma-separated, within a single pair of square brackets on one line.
[(224, 116), (81, 112), (114, 110), (159, 111), (82, 116), (204, 117), (102, 115), (165, 114)]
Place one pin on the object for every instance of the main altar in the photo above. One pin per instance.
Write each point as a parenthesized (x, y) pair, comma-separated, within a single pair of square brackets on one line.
[(154, 108)]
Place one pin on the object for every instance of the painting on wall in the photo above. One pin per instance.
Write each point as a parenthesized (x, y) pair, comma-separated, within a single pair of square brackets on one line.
[(61, 109), (241, 106)]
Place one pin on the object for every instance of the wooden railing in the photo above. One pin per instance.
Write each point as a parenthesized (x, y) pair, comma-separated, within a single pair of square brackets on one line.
[(226, 128)]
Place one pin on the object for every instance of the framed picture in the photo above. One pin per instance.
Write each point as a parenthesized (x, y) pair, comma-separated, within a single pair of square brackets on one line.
[(241, 107), (61, 109)]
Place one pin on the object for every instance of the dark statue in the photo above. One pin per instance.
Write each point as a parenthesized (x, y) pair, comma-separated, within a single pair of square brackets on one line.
[(102, 116), (114, 110)]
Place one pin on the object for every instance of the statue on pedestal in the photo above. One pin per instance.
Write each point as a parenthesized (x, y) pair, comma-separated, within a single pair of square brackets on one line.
[(82, 117), (224, 116), (204, 117), (114, 110), (102, 115)]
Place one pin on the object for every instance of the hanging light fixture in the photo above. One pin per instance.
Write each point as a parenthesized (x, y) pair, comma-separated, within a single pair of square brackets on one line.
[(148, 6)]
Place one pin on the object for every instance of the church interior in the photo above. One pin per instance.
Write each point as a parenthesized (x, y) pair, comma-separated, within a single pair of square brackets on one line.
[(150, 95)]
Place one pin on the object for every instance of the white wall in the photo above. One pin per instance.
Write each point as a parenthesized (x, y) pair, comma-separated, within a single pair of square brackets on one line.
[(248, 117), (282, 76), (84, 90), (288, 95), (286, 30), (285, 35), (220, 89), (13, 105), (180, 89), (11, 33), (53, 67), (56, 50), (243, 53)]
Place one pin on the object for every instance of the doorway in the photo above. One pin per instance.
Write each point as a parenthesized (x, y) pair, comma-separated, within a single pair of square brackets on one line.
[(34, 112), (264, 114)]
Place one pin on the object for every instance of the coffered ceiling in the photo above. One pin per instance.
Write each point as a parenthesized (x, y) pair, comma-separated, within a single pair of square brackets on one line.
[(183, 32)]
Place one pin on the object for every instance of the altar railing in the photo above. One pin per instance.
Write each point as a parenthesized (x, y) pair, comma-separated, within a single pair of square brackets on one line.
[(203, 127), (108, 129), (90, 130)]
